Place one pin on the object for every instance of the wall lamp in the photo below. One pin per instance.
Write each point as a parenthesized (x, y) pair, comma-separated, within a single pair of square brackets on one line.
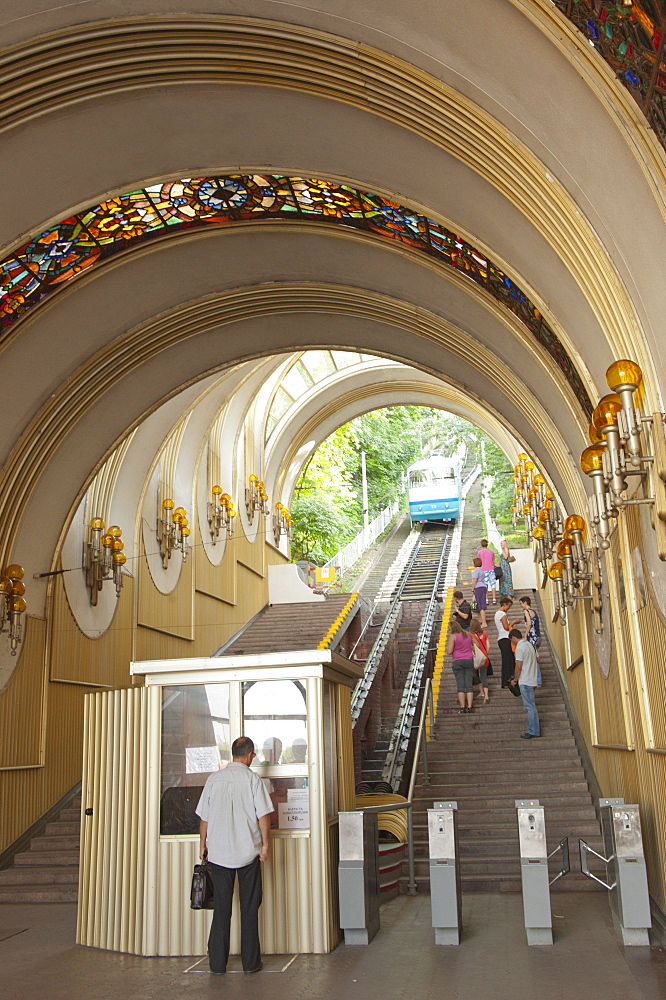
[(12, 604), (282, 522), (556, 573), (625, 443), (256, 498), (172, 531), (103, 558), (221, 514)]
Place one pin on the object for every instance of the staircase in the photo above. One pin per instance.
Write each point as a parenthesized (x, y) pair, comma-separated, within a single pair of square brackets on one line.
[(480, 761), (47, 871)]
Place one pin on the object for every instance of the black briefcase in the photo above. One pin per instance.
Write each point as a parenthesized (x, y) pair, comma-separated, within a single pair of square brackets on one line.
[(201, 893)]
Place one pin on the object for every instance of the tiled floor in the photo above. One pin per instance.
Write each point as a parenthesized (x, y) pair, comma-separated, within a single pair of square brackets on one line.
[(39, 960)]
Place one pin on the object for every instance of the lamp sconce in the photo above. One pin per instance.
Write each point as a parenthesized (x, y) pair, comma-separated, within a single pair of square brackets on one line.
[(221, 514), (625, 443), (103, 558), (12, 604), (282, 522), (556, 573), (172, 531), (256, 498)]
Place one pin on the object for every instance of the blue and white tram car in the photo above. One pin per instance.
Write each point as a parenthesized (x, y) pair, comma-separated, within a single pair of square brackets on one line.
[(434, 486)]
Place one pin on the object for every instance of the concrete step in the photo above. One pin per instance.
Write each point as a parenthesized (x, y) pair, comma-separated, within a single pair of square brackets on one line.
[(33, 858), (39, 894), (60, 828), (69, 842), (40, 876)]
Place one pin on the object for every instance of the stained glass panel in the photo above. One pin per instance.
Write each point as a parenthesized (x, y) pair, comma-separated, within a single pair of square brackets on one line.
[(81, 241)]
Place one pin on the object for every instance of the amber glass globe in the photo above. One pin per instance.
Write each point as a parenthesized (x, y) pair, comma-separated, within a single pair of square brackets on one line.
[(522, 457), (555, 571), (538, 532), (624, 373), (97, 524), (564, 549), (168, 504), (539, 480), (591, 460), (14, 572), (119, 558), (5, 585), (606, 411), (574, 522), (594, 435), (216, 491)]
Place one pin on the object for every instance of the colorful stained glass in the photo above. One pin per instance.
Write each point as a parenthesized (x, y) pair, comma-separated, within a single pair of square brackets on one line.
[(629, 38), (79, 242)]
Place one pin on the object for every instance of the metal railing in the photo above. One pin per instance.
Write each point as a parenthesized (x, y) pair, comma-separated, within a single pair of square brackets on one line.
[(374, 657), (427, 706), (353, 551), (402, 732)]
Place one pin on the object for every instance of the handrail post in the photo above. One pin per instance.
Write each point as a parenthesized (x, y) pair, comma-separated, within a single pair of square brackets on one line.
[(410, 844), (426, 776)]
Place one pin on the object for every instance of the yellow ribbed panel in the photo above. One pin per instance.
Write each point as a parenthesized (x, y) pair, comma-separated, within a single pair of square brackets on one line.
[(285, 918), (345, 749), (77, 659), (216, 581), (441, 652), (170, 613), (22, 717), (111, 877), (252, 555)]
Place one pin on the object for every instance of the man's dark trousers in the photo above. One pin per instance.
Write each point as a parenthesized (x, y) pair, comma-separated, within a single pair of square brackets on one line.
[(249, 889)]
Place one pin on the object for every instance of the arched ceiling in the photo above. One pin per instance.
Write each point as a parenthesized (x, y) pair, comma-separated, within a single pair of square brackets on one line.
[(461, 112)]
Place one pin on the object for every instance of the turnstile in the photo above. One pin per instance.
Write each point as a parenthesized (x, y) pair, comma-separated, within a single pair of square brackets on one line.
[(358, 876), (445, 899), (535, 878), (625, 867)]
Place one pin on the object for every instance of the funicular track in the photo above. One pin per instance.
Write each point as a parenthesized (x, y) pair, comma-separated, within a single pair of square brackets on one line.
[(406, 629)]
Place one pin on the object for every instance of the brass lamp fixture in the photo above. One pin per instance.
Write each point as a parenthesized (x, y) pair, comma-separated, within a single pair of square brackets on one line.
[(103, 558), (256, 498), (172, 531), (282, 522), (556, 573), (625, 443), (12, 604), (221, 514)]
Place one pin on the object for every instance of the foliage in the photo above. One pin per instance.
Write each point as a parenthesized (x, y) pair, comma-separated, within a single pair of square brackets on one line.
[(327, 504)]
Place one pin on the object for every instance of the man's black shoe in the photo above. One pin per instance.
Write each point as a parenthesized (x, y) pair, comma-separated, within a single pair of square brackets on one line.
[(258, 969), (529, 736)]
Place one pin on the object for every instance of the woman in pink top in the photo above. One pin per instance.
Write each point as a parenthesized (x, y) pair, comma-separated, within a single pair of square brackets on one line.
[(487, 557), (460, 649)]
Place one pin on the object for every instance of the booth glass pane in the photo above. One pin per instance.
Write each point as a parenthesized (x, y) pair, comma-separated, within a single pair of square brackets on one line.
[(275, 717), (291, 798), (195, 742)]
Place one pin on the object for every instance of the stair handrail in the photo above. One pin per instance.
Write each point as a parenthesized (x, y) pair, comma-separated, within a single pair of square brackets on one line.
[(363, 686), (427, 708), (402, 731)]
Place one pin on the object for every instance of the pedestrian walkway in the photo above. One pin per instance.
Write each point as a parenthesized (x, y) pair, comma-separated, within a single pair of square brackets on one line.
[(39, 960)]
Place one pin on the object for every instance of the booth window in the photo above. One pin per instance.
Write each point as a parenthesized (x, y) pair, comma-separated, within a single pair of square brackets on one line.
[(195, 742), (275, 718)]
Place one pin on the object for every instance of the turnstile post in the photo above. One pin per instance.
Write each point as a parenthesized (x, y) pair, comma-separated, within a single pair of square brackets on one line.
[(534, 872), (358, 876), (627, 874), (445, 899)]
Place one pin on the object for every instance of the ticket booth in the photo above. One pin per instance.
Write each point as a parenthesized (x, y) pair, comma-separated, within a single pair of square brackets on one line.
[(147, 753)]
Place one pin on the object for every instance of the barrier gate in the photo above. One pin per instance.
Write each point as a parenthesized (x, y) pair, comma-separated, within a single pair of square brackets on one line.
[(445, 899), (625, 867), (534, 874)]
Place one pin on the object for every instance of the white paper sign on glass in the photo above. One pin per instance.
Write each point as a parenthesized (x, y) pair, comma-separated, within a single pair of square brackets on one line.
[(294, 815), (201, 760)]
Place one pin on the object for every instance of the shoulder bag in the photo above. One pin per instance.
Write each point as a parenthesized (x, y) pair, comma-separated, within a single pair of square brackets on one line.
[(201, 893)]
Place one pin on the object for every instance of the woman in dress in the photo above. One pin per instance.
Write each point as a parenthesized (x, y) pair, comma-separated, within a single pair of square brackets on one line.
[(506, 579), (533, 630), (480, 589), (460, 649), (487, 557), (480, 639)]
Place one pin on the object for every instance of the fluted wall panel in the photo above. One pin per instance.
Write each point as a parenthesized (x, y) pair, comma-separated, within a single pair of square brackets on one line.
[(77, 659)]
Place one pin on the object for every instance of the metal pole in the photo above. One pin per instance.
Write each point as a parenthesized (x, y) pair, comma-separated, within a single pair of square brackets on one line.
[(364, 478), (410, 843), (426, 776)]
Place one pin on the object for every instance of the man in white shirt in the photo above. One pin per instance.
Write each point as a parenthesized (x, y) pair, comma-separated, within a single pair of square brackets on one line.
[(234, 812), (526, 673)]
